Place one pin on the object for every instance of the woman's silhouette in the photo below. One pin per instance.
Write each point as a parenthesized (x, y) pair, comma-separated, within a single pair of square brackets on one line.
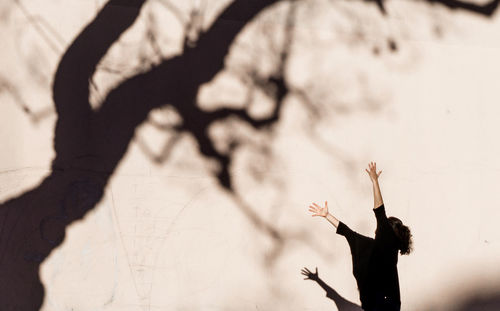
[(374, 261)]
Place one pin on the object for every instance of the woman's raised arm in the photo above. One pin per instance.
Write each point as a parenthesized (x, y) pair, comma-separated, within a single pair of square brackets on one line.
[(377, 196)]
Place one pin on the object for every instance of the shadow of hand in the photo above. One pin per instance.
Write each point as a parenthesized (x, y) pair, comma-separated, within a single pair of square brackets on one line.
[(309, 275), (341, 303)]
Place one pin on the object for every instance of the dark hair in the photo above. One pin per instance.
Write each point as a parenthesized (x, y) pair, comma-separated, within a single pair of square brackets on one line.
[(404, 235)]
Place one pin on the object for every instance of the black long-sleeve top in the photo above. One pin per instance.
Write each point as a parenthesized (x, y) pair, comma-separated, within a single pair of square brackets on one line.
[(375, 261)]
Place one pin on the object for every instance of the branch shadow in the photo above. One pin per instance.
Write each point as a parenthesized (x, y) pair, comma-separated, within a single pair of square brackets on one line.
[(90, 143)]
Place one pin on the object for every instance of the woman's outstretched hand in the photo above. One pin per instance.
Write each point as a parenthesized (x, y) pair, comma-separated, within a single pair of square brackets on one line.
[(318, 210), (372, 171), (309, 275)]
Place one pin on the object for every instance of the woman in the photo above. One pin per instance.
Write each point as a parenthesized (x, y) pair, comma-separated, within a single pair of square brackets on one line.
[(374, 261)]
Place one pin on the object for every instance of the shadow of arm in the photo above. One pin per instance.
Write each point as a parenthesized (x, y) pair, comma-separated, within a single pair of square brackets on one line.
[(342, 303)]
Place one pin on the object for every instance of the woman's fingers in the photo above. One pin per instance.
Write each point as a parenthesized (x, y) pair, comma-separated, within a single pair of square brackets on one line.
[(316, 213), (318, 210), (372, 168), (313, 210)]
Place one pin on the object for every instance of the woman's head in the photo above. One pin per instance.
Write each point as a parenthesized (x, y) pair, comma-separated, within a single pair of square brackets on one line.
[(404, 235)]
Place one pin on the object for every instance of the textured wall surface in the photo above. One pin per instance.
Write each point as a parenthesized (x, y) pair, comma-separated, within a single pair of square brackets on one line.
[(308, 93)]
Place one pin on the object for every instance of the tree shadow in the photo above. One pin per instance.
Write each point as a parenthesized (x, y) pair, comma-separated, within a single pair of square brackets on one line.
[(90, 143)]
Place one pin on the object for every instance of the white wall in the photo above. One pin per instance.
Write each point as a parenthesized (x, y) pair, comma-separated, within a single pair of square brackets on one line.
[(168, 237)]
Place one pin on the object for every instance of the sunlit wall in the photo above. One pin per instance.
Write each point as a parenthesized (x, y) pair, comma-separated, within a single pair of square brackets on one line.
[(415, 88)]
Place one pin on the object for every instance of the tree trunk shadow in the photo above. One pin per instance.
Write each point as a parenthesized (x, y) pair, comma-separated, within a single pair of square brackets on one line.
[(90, 143)]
